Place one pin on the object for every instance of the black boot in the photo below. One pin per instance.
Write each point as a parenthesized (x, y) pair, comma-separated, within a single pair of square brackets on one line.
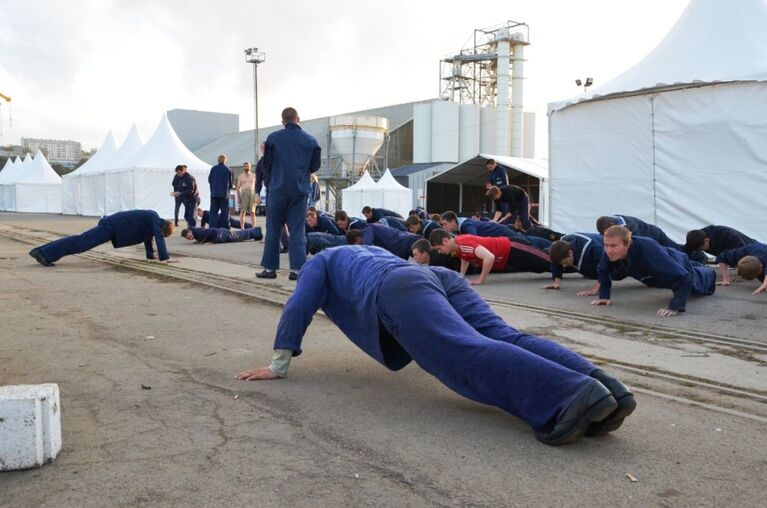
[(594, 404), (626, 404)]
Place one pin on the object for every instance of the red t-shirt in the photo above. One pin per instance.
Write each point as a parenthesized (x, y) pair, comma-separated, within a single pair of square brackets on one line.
[(499, 246)]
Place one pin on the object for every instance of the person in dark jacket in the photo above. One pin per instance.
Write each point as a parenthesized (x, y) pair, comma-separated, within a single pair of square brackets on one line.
[(346, 223), (291, 156), (422, 227), (464, 226), (498, 173), (373, 215), (374, 297), (653, 265), (317, 242), (511, 202), (221, 235), (638, 227), (397, 242), (185, 192), (220, 180), (714, 240), (751, 261), (122, 229), (320, 223), (581, 252)]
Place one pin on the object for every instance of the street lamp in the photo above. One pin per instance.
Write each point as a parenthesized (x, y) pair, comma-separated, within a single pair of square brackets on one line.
[(588, 83), (254, 56)]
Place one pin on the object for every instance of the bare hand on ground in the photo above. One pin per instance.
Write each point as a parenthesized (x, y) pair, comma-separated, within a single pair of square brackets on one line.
[(667, 312), (723, 283), (601, 301), (588, 292), (257, 374)]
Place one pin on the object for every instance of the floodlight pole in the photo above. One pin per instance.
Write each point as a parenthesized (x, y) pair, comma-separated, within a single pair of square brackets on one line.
[(254, 56)]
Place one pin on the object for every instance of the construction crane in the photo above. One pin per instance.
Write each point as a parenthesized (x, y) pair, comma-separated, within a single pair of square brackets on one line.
[(10, 111)]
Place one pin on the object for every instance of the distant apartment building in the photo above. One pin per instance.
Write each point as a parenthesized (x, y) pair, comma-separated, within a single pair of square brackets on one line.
[(55, 150)]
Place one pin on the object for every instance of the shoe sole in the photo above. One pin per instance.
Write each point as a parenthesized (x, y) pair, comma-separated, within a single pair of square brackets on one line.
[(626, 405), (598, 412)]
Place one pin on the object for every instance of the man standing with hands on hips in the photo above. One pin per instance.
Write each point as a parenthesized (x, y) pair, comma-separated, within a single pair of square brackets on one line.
[(291, 155)]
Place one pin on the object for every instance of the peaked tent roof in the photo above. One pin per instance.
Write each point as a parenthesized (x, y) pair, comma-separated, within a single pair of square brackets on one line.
[(39, 172), (132, 144), (474, 172), (8, 164), (96, 163), (387, 182), (712, 41), (164, 150), (12, 174), (365, 182)]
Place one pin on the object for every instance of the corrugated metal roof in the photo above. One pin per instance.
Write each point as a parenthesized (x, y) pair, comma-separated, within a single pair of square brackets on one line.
[(414, 168)]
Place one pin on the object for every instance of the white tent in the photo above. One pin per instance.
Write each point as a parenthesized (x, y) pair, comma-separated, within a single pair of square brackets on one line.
[(362, 193), (394, 197), (8, 169), (677, 140), (7, 178), (38, 187), (71, 184), (143, 180), (93, 180)]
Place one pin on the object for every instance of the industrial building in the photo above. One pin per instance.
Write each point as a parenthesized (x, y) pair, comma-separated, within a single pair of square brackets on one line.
[(479, 110)]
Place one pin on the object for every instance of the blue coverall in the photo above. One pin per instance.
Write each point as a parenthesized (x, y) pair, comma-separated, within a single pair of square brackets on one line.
[(122, 229), (720, 239), (588, 249), (371, 296), (223, 235), (758, 250), (638, 227), (291, 155), (657, 266), (397, 242), (220, 180)]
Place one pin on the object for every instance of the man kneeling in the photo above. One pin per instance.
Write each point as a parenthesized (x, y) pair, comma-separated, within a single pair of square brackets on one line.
[(370, 295)]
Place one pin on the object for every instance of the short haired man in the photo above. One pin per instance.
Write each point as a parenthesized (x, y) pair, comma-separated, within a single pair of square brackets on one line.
[(638, 227), (653, 265), (511, 201), (320, 224), (291, 156), (123, 229), (490, 254), (221, 235), (376, 214), (425, 254), (581, 252), (750, 260), (463, 226), (422, 227), (714, 240), (498, 173), (220, 179), (371, 296), (346, 223)]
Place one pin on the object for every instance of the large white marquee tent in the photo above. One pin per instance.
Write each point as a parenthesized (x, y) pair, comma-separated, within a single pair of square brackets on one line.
[(677, 140), (137, 175), (72, 183)]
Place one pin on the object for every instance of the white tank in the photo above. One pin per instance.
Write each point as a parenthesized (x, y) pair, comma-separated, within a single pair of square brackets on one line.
[(356, 138), (487, 130), (469, 134), (422, 133), (444, 131)]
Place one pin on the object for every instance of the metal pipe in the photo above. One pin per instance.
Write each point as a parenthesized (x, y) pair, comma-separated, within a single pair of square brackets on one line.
[(517, 99)]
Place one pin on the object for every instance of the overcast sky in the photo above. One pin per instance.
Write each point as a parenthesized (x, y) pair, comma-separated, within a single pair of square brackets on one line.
[(77, 68)]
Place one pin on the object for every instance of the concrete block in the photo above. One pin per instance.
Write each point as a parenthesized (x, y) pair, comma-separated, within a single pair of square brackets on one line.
[(30, 425)]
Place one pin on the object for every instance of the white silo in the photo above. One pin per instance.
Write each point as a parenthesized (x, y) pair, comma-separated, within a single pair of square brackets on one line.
[(469, 136), (444, 131), (356, 138), (422, 133), (487, 130)]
